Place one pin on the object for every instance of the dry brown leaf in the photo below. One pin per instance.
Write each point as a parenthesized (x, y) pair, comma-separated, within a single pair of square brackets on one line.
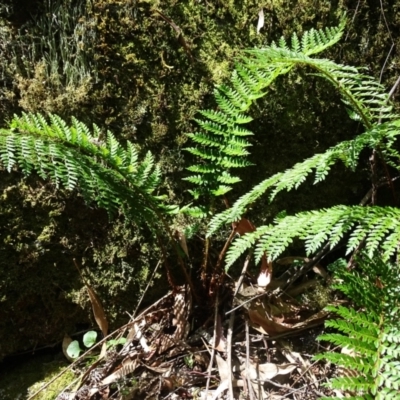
[(127, 366), (65, 343), (260, 22), (243, 226), (220, 342), (269, 371), (272, 325), (303, 366), (224, 374), (320, 270), (98, 311), (264, 324)]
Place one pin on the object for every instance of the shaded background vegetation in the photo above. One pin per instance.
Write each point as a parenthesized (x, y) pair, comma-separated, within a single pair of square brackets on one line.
[(142, 68)]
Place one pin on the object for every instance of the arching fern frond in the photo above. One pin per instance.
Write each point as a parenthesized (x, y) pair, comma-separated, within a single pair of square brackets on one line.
[(370, 331), (363, 95), (75, 158), (221, 144), (378, 226)]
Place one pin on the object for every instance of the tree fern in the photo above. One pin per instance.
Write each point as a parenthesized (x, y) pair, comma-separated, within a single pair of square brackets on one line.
[(370, 331), (221, 144), (74, 157)]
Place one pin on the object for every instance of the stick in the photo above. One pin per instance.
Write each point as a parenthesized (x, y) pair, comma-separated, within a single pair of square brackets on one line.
[(213, 347)]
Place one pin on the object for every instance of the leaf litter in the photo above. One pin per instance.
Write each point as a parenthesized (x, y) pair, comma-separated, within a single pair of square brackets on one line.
[(166, 355)]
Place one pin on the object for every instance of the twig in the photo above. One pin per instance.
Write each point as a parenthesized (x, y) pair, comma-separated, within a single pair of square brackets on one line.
[(384, 64), (224, 250), (229, 353), (306, 267), (214, 345), (231, 323), (249, 384), (394, 87), (303, 387), (352, 20), (147, 288), (245, 302), (240, 281), (180, 36)]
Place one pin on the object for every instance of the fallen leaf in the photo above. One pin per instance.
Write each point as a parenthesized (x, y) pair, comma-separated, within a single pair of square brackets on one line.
[(271, 323), (220, 342), (65, 343), (98, 311), (127, 366), (223, 370), (260, 23), (265, 276), (270, 370), (320, 270), (303, 366), (181, 238)]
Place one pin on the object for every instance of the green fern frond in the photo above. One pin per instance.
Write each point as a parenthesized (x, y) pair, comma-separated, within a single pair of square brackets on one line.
[(361, 93), (381, 136), (372, 354), (219, 144), (74, 158), (317, 227)]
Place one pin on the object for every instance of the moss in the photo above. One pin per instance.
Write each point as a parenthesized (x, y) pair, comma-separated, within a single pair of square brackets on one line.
[(42, 93), (44, 232), (23, 378)]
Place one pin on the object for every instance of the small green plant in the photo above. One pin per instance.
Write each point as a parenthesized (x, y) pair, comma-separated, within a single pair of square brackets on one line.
[(89, 339), (369, 330), (116, 342)]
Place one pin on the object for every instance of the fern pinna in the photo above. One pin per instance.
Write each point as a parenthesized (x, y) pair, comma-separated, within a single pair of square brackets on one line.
[(369, 331), (365, 100), (74, 157)]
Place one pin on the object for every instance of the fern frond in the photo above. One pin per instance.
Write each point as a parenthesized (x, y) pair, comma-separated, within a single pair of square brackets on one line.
[(74, 158), (219, 144), (372, 354), (317, 227), (380, 136)]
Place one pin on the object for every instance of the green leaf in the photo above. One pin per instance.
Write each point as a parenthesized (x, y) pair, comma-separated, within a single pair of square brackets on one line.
[(89, 338), (116, 342), (73, 350)]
